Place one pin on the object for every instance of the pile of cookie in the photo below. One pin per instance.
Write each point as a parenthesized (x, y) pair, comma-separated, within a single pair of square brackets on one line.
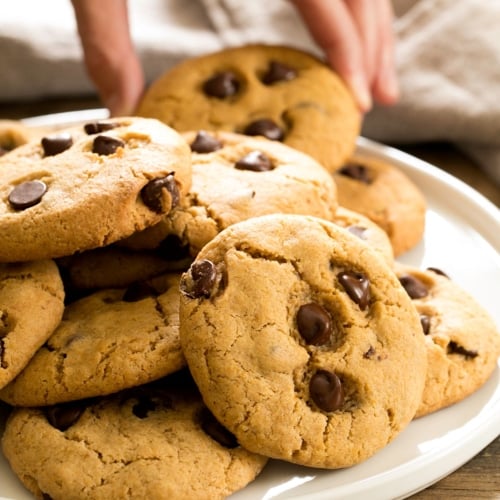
[(191, 291)]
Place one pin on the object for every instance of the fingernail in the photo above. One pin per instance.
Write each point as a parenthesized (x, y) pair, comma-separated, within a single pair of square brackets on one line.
[(361, 93)]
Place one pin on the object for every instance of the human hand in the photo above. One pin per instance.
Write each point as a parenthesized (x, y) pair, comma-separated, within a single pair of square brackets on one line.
[(357, 39), (110, 58)]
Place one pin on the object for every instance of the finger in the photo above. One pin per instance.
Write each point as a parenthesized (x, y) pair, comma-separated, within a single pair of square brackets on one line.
[(332, 27), (384, 85), (109, 54)]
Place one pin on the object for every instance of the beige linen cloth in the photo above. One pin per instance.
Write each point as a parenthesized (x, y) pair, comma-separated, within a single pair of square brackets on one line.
[(448, 58)]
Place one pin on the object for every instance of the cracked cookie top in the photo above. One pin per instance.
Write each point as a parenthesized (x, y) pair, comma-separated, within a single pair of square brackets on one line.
[(303, 342), (156, 441), (88, 186), (463, 342), (278, 92), (107, 341), (236, 177)]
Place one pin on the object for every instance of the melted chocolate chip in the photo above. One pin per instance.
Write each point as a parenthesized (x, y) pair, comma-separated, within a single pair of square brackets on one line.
[(455, 348), (425, 321), (265, 127), (161, 195), (203, 274), (27, 194), (105, 145), (222, 85), (326, 390), (358, 231), (357, 172), (98, 127), (143, 406), (357, 286), (278, 72), (137, 291), (256, 161), (205, 143), (438, 271), (213, 428), (413, 286), (56, 144), (314, 324), (63, 416)]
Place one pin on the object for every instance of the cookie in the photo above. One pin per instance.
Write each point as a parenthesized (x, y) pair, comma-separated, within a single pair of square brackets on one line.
[(89, 186), (31, 307), (278, 92), (386, 195), (463, 342), (12, 134), (302, 341), (236, 177), (110, 340), (153, 442), (365, 229)]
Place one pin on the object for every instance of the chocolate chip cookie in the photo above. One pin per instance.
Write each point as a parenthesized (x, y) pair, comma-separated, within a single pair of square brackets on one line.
[(236, 177), (110, 340), (12, 134), (86, 187), (463, 342), (302, 341), (155, 442), (278, 92), (384, 194), (31, 307)]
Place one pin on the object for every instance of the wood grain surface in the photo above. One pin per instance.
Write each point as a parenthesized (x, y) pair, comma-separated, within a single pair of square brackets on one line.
[(480, 477)]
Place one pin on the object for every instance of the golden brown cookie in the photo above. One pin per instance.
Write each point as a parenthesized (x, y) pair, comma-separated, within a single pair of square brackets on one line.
[(157, 441), (110, 340), (384, 194), (278, 92), (236, 177), (31, 307), (12, 134), (463, 342), (86, 187), (302, 341)]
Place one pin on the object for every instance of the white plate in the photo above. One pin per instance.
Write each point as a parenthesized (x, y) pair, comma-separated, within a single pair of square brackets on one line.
[(462, 237)]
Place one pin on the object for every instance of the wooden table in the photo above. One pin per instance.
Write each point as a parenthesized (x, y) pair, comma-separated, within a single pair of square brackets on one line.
[(480, 477)]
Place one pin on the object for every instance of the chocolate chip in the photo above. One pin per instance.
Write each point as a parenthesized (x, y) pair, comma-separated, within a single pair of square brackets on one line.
[(357, 172), (256, 161), (326, 390), (106, 145), (358, 231), (357, 286), (203, 274), (437, 271), (278, 72), (222, 85), (205, 143), (265, 127), (63, 416), (413, 286), (213, 428), (369, 353), (137, 291), (143, 406), (455, 348), (56, 144), (314, 323), (27, 194), (425, 321), (161, 195), (98, 127), (46, 496)]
